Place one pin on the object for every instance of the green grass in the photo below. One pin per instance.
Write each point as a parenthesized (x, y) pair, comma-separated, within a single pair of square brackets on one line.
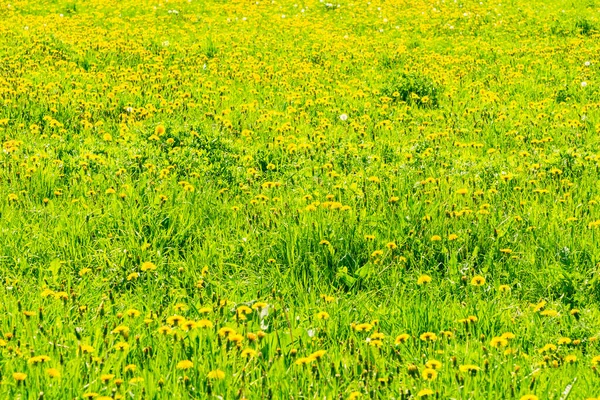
[(321, 160)]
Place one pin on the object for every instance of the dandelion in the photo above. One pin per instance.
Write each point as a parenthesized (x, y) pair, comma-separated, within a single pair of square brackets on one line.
[(564, 340), (469, 368), (19, 376), (504, 288), (159, 130), (86, 349), (216, 374), (428, 337), (478, 280), (423, 279), (429, 374), (248, 353), (364, 327), (322, 315), (425, 393), (401, 339), (148, 266), (433, 364), (570, 359), (122, 346), (185, 364), (53, 373), (317, 355), (498, 342)]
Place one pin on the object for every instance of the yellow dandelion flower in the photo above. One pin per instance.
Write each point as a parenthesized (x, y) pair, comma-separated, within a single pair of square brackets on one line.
[(429, 374), (185, 364), (53, 373), (148, 266), (478, 280), (425, 393), (428, 337), (322, 315), (216, 374), (19, 376)]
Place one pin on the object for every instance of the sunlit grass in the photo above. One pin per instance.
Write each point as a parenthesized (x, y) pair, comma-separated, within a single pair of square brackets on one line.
[(269, 199)]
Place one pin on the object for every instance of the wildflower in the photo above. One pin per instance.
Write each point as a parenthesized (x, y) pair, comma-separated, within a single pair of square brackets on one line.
[(86, 348), (148, 266), (433, 364), (504, 288), (19, 376), (317, 355), (122, 346), (429, 374), (53, 373), (401, 339), (38, 360), (478, 280), (130, 368), (570, 359), (132, 276), (121, 329), (236, 338), (159, 130), (204, 323), (564, 340), (327, 298), (425, 392), (247, 353), (470, 368), (498, 342), (132, 313), (364, 327), (548, 348), (423, 279), (529, 397), (322, 315), (304, 360), (428, 337), (549, 313), (436, 238), (185, 364), (259, 305), (377, 336), (377, 253), (216, 374)]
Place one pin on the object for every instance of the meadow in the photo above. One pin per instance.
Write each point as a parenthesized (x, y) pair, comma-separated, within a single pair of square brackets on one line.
[(297, 199)]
